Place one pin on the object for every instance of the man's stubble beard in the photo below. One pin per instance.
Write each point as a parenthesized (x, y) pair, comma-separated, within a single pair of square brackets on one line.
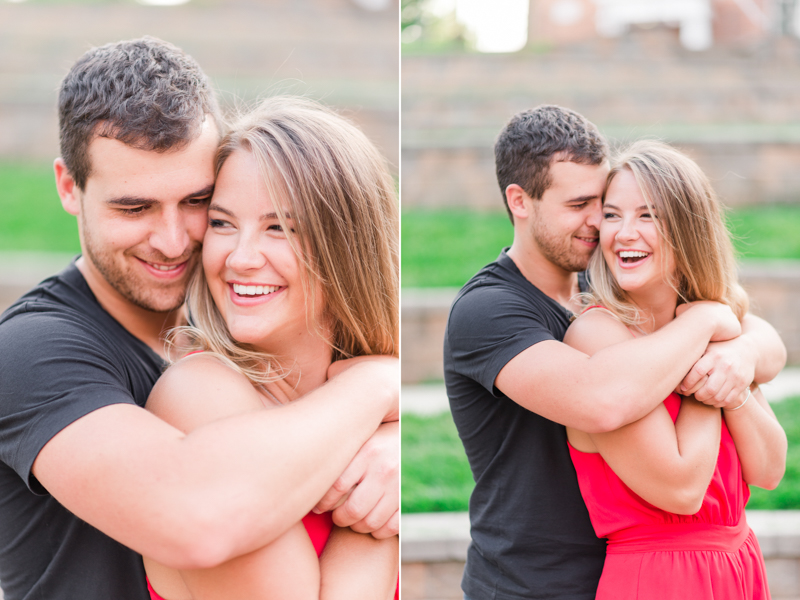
[(557, 250), (148, 297)]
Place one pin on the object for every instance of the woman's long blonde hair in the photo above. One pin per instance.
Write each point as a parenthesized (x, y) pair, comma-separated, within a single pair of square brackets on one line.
[(338, 190), (689, 223)]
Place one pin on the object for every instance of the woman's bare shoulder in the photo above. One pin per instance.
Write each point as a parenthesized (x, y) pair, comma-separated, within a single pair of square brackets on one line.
[(596, 329), (199, 389)]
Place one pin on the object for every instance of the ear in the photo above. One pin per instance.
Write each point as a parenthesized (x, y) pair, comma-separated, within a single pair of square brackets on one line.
[(68, 190), (518, 202)]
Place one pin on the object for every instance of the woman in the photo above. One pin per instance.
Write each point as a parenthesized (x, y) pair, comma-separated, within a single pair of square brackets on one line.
[(669, 490), (300, 269)]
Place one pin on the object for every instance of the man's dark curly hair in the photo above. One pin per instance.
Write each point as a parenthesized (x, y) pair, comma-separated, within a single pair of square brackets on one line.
[(145, 93), (534, 138)]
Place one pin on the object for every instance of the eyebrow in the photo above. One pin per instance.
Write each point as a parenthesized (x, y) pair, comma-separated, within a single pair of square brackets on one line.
[(140, 201), (265, 217), (642, 207)]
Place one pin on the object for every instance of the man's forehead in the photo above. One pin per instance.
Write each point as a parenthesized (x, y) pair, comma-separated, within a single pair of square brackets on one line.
[(568, 173), (112, 160)]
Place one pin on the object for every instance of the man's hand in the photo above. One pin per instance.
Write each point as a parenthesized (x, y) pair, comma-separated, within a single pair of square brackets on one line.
[(366, 497), (719, 377)]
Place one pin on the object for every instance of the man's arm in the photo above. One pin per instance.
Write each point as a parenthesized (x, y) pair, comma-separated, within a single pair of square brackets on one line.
[(727, 368), (197, 500), (619, 384)]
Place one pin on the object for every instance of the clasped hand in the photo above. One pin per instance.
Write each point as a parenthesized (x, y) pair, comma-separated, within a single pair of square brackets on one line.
[(366, 496), (726, 368)]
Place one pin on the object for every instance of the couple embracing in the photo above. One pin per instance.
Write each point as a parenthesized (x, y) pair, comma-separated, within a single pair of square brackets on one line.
[(286, 397), (603, 376)]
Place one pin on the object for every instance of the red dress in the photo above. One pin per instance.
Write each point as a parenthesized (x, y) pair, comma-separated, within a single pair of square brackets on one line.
[(654, 554)]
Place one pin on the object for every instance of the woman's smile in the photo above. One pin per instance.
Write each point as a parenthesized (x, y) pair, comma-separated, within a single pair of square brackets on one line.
[(252, 270), (630, 240)]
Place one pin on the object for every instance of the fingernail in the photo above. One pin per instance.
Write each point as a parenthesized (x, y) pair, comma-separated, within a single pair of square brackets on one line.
[(316, 511)]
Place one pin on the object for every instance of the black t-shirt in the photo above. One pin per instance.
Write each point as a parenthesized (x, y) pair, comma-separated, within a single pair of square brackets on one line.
[(531, 534), (61, 357)]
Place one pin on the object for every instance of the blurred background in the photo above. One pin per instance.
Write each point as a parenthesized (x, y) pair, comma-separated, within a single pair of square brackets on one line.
[(344, 53), (719, 79)]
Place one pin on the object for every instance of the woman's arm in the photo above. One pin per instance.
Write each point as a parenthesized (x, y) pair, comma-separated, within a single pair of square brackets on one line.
[(287, 567), (760, 441), (669, 465), (356, 566)]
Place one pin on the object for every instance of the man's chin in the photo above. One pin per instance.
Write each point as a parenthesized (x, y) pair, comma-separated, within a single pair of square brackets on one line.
[(157, 303)]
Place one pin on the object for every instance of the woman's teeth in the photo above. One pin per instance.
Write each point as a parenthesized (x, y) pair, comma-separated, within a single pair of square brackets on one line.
[(632, 255), (254, 290)]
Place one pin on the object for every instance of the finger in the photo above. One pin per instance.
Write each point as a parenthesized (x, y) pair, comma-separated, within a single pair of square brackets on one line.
[(359, 505), (344, 485), (392, 527), (708, 392), (695, 375), (697, 386), (336, 495), (377, 517)]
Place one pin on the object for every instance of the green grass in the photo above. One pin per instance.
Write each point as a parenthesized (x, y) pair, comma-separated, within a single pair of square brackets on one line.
[(436, 476), (33, 217), (444, 248), (787, 494), (435, 473), (766, 231)]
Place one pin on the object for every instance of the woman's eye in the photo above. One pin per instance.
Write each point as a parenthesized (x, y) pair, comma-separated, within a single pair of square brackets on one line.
[(277, 227), (609, 215), (217, 223)]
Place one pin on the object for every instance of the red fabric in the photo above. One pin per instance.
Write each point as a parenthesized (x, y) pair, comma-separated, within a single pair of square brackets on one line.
[(655, 554), (319, 529)]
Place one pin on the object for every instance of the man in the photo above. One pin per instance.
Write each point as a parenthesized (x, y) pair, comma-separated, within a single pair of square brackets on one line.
[(86, 473), (513, 384)]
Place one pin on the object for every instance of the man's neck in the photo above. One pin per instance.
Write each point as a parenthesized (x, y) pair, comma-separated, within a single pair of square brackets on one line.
[(552, 280), (148, 326)]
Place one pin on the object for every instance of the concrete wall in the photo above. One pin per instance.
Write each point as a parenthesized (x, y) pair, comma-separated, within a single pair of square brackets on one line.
[(326, 49), (738, 115)]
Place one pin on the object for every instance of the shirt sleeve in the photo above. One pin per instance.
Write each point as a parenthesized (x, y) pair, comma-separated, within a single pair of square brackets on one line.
[(487, 327), (53, 371)]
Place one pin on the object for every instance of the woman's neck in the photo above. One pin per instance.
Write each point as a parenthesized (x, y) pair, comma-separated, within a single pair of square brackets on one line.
[(307, 364), (656, 308)]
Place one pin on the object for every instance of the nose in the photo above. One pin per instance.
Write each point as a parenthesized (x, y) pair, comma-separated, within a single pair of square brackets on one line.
[(595, 216), (628, 231), (171, 238), (246, 255)]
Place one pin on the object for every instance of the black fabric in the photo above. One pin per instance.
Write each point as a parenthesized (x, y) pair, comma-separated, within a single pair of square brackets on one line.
[(61, 357), (531, 534)]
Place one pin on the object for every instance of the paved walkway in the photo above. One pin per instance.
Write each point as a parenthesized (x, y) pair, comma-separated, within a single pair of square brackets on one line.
[(431, 399)]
